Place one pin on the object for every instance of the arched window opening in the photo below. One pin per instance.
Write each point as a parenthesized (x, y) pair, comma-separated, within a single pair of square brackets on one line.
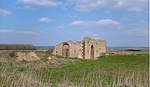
[(92, 52)]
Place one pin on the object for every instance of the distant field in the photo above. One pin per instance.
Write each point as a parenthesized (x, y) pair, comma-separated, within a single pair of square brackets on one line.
[(107, 71), (123, 52), (44, 47)]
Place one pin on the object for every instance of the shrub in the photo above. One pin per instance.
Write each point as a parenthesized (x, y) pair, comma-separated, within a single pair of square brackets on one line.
[(12, 54)]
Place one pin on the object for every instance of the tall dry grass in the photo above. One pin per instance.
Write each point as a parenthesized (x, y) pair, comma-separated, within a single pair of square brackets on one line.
[(115, 71)]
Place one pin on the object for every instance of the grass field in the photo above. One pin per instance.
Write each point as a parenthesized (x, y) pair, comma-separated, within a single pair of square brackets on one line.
[(107, 71)]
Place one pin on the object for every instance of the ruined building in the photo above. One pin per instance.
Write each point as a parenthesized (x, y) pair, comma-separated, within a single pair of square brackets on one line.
[(85, 49)]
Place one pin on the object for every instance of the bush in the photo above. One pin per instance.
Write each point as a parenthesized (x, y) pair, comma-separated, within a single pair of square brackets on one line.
[(132, 50), (12, 54), (17, 47), (50, 51)]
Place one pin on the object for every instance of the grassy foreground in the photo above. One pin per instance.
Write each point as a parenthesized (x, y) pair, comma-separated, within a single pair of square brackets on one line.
[(111, 71)]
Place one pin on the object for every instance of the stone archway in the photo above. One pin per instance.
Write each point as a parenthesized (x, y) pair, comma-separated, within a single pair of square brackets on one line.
[(65, 50), (92, 52)]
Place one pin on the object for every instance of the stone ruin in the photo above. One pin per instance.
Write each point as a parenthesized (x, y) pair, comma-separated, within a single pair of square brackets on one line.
[(85, 49), (31, 56)]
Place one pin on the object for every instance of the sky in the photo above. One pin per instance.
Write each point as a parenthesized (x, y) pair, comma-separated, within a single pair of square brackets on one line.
[(49, 22)]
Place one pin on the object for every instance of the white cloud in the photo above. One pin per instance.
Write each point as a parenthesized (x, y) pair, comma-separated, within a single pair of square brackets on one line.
[(90, 34), (87, 32), (45, 20), (4, 12), (6, 31), (26, 7), (140, 32), (142, 29), (95, 36), (45, 3), (28, 32), (61, 26), (18, 32), (136, 9), (86, 5), (98, 23)]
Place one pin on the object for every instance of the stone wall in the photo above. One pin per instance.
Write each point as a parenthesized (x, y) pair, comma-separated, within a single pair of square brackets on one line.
[(85, 49)]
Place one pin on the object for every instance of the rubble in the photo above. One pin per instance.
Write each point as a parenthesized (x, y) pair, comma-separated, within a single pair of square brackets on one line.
[(31, 56)]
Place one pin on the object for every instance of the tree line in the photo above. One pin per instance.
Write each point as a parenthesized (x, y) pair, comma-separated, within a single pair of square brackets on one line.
[(17, 47)]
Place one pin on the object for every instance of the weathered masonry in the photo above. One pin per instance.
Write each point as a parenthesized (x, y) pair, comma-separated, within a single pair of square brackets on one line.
[(86, 49)]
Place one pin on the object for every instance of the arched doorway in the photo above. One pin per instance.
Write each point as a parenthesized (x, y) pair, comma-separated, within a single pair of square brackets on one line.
[(92, 52), (65, 50)]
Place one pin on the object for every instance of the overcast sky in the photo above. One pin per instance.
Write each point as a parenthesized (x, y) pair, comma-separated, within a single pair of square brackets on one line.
[(49, 22)]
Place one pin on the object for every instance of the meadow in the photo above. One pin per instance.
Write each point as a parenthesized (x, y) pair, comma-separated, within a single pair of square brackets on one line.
[(107, 71)]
